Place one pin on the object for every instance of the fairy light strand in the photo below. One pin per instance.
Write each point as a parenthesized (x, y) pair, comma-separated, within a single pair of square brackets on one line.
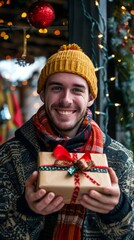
[(98, 32)]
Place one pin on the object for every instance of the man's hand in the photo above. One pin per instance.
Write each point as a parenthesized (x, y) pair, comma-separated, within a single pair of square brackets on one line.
[(103, 202), (40, 201)]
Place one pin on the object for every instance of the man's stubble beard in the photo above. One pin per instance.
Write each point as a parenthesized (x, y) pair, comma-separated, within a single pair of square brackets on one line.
[(65, 130)]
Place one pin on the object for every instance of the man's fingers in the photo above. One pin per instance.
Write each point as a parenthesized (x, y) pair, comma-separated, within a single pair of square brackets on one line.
[(32, 179), (39, 200)]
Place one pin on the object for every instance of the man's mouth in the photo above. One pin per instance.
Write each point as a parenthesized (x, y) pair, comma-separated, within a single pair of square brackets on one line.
[(65, 112)]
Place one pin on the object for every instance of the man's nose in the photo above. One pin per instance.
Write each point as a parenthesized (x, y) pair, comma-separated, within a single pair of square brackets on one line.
[(66, 96)]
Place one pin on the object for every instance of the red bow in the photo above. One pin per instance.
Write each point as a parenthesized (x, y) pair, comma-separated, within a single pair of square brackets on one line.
[(64, 158)]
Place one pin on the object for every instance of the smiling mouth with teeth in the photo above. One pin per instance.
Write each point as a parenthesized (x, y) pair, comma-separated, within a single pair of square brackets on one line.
[(65, 112)]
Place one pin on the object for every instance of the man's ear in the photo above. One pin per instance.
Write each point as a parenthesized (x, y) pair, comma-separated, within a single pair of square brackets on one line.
[(91, 100), (42, 96)]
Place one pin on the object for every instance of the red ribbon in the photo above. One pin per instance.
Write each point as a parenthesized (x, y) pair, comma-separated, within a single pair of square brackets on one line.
[(62, 154)]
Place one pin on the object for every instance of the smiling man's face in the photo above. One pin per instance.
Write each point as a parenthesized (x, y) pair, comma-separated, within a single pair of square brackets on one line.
[(66, 97)]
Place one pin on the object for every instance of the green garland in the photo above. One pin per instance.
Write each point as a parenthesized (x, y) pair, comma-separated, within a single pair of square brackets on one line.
[(122, 44)]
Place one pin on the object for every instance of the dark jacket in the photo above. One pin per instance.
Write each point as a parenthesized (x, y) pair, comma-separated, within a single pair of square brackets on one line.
[(18, 160)]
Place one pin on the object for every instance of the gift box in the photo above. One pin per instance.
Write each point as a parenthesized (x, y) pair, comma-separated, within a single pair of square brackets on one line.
[(72, 174)]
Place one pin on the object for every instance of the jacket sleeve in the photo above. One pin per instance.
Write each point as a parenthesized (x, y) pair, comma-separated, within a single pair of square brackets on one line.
[(119, 223), (14, 224)]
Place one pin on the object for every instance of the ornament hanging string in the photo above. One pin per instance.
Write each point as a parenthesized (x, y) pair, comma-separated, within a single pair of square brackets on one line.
[(24, 54), (23, 59)]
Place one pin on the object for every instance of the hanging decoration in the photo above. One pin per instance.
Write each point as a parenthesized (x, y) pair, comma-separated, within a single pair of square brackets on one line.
[(24, 59), (41, 14)]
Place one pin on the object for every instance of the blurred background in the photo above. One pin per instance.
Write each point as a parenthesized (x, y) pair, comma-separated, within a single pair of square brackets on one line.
[(30, 31)]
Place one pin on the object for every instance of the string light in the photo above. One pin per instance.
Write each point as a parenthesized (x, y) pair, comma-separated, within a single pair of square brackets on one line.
[(111, 57), (6, 37), (3, 34), (99, 68), (28, 36), (125, 37), (45, 30), (96, 3), (114, 104), (57, 32), (123, 8), (24, 15), (117, 104), (9, 23), (100, 113), (100, 35), (132, 12), (8, 2), (102, 47), (119, 60), (112, 78), (4, 2), (98, 25)]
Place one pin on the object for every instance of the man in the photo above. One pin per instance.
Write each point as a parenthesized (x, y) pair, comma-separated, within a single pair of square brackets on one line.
[(67, 87)]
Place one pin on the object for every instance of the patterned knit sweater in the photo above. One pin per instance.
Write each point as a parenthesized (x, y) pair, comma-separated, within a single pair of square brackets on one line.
[(18, 159)]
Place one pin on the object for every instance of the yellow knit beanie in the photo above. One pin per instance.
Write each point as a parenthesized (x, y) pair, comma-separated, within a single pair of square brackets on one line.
[(71, 59)]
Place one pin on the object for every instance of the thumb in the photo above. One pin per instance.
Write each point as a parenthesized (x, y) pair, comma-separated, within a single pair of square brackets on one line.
[(113, 177), (32, 179)]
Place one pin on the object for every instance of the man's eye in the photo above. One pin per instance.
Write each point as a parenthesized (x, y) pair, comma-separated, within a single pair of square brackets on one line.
[(77, 90), (56, 88)]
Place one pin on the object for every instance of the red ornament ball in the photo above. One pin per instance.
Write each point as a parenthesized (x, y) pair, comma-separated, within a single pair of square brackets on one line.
[(132, 49), (41, 14)]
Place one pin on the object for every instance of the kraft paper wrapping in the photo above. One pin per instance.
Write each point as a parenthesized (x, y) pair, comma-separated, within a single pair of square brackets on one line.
[(71, 187)]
